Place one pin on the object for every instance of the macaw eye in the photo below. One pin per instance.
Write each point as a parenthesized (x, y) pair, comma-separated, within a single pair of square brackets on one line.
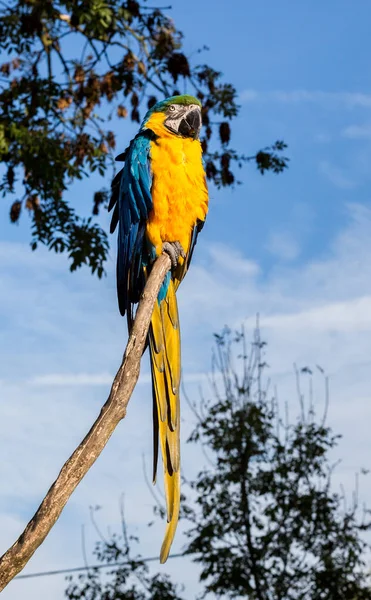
[(172, 107)]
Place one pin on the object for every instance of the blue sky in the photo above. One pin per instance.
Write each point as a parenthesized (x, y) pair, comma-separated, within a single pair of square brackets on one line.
[(295, 247)]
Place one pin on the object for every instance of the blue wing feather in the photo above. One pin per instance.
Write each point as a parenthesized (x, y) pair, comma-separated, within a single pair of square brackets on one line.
[(132, 202)]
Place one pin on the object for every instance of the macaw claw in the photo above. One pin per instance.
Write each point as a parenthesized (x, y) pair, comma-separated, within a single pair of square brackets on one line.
[(174, 250)]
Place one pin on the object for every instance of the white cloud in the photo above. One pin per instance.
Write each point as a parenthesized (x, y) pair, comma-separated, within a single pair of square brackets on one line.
[(341, 98), (357, 131), (322, 138), (54, 380), (233, 261), (322, 299), (336, 175), (283, 245), (351, 316), (249, 96), (63, 379)]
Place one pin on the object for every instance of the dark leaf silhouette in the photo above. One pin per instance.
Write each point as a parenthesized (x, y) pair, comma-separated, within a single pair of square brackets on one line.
[(70, 68)]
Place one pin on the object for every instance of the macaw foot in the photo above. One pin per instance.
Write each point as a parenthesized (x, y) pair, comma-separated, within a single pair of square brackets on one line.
[(174, 250)]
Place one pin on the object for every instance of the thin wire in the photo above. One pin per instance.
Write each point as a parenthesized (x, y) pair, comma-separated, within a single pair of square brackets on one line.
[(76, 569)]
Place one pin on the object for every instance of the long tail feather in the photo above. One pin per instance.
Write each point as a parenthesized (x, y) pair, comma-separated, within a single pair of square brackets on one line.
[(171, 526), (164, 339)]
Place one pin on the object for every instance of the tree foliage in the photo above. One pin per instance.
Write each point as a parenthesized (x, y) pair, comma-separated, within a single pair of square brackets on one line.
[(130, 582), (74, 65), (267, 524), (264, 520)]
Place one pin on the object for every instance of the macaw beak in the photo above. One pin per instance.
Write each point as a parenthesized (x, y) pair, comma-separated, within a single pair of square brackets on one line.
[(191, 123)]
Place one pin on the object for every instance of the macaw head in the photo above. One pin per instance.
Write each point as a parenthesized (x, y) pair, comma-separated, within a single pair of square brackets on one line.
[(181, 115)]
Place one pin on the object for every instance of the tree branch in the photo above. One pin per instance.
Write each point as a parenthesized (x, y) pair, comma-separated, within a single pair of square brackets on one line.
[(72, 472)]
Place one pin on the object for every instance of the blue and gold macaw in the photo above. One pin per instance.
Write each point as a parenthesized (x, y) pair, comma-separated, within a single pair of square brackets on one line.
[(160, 202)]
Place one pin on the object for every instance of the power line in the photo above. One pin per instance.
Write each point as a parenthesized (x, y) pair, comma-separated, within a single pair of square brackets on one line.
[(86, 568)]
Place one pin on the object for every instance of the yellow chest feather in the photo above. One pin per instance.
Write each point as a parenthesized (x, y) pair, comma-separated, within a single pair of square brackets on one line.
[(179, 191)]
